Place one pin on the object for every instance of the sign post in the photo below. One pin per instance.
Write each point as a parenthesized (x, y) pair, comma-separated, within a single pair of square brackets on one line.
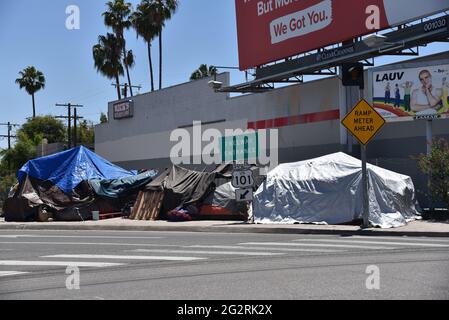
[(363, 122), (241, 149)]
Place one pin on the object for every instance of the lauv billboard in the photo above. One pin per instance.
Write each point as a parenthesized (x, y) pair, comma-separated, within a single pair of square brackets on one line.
[(270, 30), (415, 93)]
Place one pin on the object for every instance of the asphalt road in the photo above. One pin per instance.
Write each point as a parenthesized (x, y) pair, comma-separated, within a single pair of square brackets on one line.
[(205, 266)]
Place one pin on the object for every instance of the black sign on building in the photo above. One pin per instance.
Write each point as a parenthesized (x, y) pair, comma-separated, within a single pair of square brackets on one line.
[(123, 110)]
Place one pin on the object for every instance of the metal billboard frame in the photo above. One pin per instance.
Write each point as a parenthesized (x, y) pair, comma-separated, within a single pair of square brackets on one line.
[(327, 61)]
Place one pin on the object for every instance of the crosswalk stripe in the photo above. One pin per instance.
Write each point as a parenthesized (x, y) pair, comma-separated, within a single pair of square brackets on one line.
[(11, 273), (121, 257), (58, 263), (265, 248), (314, 245), (376, 242), (241, 253)]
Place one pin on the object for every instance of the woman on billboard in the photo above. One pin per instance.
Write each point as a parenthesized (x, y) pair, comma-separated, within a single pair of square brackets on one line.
[(426, 99)]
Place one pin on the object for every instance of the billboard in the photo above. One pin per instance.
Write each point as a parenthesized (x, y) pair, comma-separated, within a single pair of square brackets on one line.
[(421, 93), (270, 30)]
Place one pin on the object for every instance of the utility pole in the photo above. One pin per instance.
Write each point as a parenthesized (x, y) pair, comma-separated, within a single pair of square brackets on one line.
[(125, 88), (74, 128), (75, 118), (69, 107), (9, 136)]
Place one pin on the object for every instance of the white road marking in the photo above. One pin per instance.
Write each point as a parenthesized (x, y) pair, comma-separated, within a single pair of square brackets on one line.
[(11, 273), (120, 257), (414, 244), (241, 253), (91, 243), (58, 263), (313, 245), (417, 239), (264, 248), (83, 237)]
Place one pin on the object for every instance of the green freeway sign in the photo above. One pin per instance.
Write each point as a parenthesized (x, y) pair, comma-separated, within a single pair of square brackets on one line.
[(240, 148)]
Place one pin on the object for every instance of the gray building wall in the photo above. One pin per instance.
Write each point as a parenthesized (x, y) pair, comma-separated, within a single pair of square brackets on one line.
[(144, 140)]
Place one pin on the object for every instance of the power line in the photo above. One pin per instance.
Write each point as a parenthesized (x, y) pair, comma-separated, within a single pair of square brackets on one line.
[(69, 118), (125, 88), (9, 136)]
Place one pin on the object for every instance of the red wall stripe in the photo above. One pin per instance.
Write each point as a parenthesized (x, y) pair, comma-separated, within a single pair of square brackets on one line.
[(294, 120)]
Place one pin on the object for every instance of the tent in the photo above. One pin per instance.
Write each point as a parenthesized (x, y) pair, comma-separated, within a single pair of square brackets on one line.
[(68, 168), (221, 203), (328, 190), (72, 184), (203, 194)]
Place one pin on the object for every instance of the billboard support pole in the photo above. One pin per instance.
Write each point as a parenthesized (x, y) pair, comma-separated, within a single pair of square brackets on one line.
[(429, 136)]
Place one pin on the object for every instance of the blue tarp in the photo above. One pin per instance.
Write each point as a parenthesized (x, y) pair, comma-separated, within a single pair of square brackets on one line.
[(67, 169)]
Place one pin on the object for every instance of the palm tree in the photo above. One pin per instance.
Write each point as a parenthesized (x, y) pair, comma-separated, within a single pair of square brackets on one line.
[(107, 57), (144, 23), (203, 72), (129, 63), (32, 80), (118, 18), (164, 9)]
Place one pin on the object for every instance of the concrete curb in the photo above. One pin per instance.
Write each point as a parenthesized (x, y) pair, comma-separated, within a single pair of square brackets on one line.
[(229, 229)]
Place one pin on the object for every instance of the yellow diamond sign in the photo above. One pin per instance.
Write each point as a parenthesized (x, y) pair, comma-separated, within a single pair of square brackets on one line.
[(364, 122)]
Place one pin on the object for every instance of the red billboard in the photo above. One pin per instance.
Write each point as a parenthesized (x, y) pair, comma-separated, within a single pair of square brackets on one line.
[(270, 30)]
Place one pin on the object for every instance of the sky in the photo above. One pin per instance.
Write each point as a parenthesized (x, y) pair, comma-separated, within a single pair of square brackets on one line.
[(34, 33)]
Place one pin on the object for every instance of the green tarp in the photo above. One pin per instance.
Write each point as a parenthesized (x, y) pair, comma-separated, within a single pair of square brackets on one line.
[(116, 188)]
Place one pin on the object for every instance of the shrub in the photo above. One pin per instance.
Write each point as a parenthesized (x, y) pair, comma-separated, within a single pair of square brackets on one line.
[(436, 167)]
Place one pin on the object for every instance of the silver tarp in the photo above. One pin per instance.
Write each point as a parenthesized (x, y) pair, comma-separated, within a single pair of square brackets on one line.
[(328, 190)]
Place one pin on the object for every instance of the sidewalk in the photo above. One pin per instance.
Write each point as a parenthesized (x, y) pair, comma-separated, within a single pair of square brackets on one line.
[(416, 228)]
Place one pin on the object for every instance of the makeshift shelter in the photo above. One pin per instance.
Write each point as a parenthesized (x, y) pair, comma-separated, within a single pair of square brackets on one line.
[(68, 168), (221, 203), (72, 184), (328, 190), (201, 194)]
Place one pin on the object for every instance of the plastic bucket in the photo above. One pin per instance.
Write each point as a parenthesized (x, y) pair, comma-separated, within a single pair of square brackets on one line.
[(95, 215)]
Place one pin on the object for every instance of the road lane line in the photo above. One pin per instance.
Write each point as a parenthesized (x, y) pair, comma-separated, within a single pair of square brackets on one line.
[(417, 239), (90, 243), (265, 248), (11, 273), (83, 237), (378, 242), (241, 253), (314, 245), (58, 263), (120, 257)]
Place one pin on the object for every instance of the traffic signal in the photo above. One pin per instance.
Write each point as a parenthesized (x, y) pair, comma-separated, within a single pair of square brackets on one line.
[(353, 75)]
